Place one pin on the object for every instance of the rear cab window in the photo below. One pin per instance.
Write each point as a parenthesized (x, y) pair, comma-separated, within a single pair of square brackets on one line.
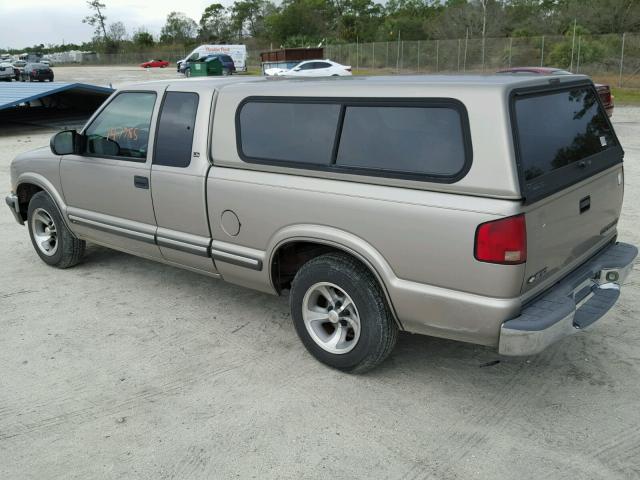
[(562, 136), (418, 139)]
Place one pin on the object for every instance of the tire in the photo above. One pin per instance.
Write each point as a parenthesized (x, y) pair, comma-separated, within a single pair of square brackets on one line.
[(351, 283), (65, 250), (187, 72)]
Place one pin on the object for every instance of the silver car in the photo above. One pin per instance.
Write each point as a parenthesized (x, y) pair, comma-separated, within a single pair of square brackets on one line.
[(480, 209)]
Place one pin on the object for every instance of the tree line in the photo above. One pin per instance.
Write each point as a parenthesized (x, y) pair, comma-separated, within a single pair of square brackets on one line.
[(311, 22)]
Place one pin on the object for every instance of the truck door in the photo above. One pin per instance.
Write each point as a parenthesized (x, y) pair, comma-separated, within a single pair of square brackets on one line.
[(178, 179), (107, 187)]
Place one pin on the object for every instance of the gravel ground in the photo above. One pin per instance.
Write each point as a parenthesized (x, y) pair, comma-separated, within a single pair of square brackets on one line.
[(124, 368)]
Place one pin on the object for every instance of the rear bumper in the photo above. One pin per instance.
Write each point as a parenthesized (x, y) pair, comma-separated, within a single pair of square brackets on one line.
[(14, 206), (573, 304)]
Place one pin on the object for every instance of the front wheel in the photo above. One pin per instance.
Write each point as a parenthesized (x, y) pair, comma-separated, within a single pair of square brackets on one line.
[(340, 313), (53, 241)]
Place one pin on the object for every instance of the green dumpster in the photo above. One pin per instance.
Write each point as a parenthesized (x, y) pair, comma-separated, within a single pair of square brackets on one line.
[(207, 68)]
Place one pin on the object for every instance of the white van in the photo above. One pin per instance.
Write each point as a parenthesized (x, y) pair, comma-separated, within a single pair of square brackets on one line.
[(237, 52)]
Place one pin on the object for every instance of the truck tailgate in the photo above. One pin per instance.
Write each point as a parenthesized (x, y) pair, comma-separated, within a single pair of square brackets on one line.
[(567, 228)]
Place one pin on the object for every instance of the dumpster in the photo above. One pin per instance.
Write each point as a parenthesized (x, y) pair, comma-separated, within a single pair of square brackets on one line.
[(211, 66)]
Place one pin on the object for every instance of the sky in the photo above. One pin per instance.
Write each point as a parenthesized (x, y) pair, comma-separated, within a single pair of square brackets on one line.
[(58, 21)]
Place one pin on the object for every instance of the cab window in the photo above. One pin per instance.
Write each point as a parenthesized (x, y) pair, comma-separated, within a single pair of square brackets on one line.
[(122, 129)]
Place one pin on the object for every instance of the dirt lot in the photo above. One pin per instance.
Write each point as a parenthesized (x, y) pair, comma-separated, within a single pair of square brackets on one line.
[(124, 368), (115, 75)]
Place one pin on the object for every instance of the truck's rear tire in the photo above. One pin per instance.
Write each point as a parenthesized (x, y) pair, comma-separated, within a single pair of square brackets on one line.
[(340, 313), (52, 240)]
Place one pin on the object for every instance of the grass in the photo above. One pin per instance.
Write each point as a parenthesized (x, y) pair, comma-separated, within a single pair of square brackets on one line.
[(626, 96)]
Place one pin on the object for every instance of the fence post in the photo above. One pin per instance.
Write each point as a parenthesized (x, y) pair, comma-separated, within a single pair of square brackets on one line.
[(578, 59), (437, 56), (401, 54), (357, 54), (510, 48), (459, 42), (373, 55), (386, 63), (464, 62), (398, 54), (621, 60), (418, 56)]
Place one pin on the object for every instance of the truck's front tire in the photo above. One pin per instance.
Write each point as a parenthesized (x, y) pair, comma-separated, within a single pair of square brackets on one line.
[(52, 240), (340, 313)]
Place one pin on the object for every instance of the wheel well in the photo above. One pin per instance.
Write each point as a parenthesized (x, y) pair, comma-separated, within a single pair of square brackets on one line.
[(24, 193), (290, 257)]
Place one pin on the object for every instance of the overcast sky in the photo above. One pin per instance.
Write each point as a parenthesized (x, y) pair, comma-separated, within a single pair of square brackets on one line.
[(30, 22)]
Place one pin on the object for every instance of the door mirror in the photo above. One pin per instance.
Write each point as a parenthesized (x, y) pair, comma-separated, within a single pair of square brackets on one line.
[(297, 69), (65, 143)]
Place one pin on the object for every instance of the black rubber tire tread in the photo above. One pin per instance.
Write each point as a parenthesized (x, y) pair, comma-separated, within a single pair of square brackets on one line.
[(379, 331), (70, 249)]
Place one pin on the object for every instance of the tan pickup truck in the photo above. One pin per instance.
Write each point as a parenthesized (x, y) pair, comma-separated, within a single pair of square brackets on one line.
[(480, 209)]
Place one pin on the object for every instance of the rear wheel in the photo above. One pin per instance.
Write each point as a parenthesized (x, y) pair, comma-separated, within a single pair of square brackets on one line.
[(340, 313), (53, 241)]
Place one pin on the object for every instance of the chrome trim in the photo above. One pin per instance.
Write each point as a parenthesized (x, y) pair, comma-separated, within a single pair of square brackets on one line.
[(519, 342), (236, 259), (531, 342), (14, 205), (105, 227), (199, 250)]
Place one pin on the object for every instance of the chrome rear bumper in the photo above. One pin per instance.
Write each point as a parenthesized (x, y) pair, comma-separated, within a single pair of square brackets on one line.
[(14, 206), (573, 304)]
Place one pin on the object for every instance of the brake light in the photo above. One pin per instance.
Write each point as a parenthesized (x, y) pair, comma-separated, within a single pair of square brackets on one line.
[(502, 241)]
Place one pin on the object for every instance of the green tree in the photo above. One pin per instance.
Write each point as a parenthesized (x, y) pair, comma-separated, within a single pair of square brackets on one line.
[(248, 17), (142, 38), (178, 29), (215, 24)]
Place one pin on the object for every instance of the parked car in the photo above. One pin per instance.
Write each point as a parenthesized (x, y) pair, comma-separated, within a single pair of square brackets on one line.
[(6, 72), (439, 206), (312, 68), (155, 64), (46, 62), (604, 91), (228, 66), (19, 64), (36, 72)]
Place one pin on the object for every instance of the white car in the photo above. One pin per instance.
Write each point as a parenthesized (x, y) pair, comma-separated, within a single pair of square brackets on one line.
[(312, 68), (6, 71)]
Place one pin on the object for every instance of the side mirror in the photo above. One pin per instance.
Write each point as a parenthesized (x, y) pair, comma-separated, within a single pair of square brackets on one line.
[(65, 142), (296, 69)]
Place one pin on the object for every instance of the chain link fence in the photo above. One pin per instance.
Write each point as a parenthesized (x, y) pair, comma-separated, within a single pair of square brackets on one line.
[(614, 59), (611, 58)]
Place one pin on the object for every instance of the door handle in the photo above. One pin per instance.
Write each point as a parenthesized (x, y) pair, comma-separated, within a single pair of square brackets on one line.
[(141, 182)]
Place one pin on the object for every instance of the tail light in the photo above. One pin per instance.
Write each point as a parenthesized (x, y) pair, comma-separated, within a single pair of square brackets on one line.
[(502, 241), (348, 69)]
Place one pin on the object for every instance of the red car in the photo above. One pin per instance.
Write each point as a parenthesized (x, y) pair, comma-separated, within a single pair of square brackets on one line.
[(604, 91), (155, 64)]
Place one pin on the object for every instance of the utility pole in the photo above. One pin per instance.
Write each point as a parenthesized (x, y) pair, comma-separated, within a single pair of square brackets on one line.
[(573, 43), (621, 60)]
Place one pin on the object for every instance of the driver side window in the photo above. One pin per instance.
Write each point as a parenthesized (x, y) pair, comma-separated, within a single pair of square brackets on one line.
[(122, 128)]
